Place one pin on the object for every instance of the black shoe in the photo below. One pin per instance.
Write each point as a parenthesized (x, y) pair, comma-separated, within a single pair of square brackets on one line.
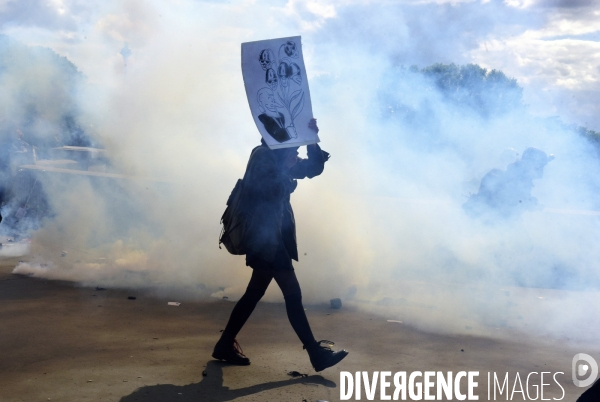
[(322, 357), (231, 353)]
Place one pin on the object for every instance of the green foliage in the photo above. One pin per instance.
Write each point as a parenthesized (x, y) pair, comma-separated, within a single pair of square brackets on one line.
[(591, 135), (489, 93)]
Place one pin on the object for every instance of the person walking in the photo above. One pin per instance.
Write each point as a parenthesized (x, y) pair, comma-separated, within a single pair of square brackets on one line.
[(270, 242)]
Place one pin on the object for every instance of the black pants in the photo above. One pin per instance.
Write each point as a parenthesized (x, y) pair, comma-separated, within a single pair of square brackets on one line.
[(260, 280)]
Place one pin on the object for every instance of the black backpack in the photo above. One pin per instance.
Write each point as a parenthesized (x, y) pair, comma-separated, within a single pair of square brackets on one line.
[(234, 221)]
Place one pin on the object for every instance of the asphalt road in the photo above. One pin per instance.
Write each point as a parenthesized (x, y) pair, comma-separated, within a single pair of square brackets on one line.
[(62, 342)]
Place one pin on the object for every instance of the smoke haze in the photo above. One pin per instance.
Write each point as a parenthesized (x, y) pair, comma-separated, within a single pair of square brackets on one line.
[(383, 226)]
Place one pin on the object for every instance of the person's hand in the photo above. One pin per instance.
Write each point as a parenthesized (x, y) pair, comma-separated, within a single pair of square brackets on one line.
[(312, 124)]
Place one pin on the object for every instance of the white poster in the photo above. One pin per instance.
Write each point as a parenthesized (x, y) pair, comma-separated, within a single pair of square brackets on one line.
[(277, 90)]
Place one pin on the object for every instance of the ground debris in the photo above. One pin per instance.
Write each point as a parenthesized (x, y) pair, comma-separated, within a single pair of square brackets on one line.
[(296, 374), (131, 298)]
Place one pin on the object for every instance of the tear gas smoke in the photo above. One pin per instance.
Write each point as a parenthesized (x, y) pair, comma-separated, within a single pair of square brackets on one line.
[(383, 224)]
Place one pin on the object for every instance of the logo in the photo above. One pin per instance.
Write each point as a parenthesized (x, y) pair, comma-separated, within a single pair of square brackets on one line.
[(584, 365)]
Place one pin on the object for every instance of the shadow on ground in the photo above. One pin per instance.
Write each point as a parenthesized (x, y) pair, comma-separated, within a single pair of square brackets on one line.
[(211, 388)]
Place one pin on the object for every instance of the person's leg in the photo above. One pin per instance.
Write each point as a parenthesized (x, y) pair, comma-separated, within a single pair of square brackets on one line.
[(259, 282), (321, 356), (288, 283), (227, 348)]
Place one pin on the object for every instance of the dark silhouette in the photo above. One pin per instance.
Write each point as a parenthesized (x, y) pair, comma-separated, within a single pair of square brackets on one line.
[(270, 244), (211, 388), (507, 194)]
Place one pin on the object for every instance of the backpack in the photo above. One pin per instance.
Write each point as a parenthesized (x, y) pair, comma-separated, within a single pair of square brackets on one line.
[(234, 222)]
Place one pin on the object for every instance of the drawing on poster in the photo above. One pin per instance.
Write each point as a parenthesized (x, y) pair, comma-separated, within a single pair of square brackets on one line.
[(283, 79), (277, 89)]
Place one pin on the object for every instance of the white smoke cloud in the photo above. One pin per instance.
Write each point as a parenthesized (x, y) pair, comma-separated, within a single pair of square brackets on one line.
[(386, 214)]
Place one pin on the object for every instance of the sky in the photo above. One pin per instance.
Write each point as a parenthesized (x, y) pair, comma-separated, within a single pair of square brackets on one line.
[(384, 223), (551, 47)]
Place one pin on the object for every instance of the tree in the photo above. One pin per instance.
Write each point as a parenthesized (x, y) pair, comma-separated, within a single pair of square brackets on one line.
[(489, 93)]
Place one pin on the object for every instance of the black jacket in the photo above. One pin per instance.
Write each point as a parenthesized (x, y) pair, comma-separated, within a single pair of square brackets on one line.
[(268, 186)]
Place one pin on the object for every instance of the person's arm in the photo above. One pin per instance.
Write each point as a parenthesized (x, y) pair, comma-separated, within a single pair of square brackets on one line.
[(315, 163), (312, 166)]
